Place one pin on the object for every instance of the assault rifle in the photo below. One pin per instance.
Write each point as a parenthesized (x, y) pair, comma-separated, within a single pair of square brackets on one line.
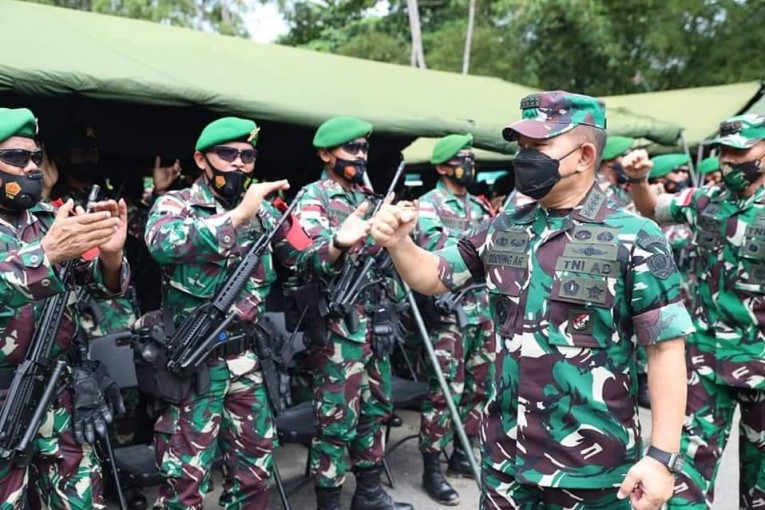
[(451, 303), (205, 328), (35, 382), (343, 291)]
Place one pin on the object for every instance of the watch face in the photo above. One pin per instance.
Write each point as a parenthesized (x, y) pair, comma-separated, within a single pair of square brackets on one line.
[(677, 463)]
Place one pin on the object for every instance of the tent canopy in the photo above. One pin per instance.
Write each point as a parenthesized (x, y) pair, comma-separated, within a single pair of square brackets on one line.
[(98, 57), (698, 110)]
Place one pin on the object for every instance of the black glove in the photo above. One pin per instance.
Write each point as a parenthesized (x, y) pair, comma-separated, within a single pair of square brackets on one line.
[(383, 331), (96, 399)]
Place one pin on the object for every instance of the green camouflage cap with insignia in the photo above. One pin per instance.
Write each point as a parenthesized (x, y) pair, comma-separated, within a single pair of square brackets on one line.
[(339, 130), (666, 163), (17, 122), (616, 146), (228, 129), (708, 165), (741, 131), (449, 146), (550, 114)]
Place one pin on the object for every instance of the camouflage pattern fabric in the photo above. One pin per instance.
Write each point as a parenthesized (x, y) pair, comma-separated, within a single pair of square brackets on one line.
[(233, 415), (725, 355), (534, 497), (192, 237), (466, 357), (26, 279), (351, 390), (64, 475), (567, 293), (351, 404)]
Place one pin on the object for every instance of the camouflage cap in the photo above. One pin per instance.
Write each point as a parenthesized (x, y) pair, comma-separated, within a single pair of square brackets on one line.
[(666, 163), (741, 132), (616, 146), (228, 129), (17, 122), (708, 165), (449, 146), (339, 130), (550, 114)]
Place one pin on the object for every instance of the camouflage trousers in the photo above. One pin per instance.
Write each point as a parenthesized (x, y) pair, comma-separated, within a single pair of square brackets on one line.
[(709, 416), (467, 360), (503, 492), (351, 404), (233, 416), (63, 475)]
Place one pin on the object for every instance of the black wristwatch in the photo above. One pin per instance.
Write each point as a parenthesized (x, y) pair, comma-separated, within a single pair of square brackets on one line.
[(673, 461), (341, 247), (638, 180)]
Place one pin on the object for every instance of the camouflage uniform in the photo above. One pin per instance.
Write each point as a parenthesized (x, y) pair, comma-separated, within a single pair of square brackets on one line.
[(351, 386), (466, 357), (725, 355), (191, 235), (566, 294), (65, 474)]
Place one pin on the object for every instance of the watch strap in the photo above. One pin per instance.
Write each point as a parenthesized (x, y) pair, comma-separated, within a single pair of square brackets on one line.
[(673, 461)]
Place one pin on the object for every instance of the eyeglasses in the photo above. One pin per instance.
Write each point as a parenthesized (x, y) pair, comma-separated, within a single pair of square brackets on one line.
[(353, 148), (229, 154), (21, 157)]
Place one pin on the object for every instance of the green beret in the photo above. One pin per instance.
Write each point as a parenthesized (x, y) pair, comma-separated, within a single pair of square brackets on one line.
[(228, 129), (449, 146), (664, 164), (616, 146), (17, 122), (708, 165), (339, 130)]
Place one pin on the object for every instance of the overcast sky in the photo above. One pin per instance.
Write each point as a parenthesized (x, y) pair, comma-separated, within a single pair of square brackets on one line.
[(265, 23)]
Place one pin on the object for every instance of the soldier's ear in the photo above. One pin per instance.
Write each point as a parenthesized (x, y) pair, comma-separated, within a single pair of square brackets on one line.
[(200, 161), (325, 155), (587, 157), (442, 169)]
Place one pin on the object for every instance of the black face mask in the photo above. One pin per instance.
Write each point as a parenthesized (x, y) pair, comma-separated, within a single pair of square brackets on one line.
[(536, 173), (351, 169), (464, 172), (229, 186), (88, 171), (621, 175), (739, 176), (20, 192), (675, 186)]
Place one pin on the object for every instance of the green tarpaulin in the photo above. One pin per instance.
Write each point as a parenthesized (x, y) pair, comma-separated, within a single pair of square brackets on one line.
[(699, 110), (54, 52)]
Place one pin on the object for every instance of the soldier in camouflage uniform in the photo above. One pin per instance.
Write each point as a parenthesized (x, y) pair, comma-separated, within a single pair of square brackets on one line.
[(352, 384), (199, 235), (36, 239), (725, 355), (70, 175), (570, 277), (465, 352), (611, 176)]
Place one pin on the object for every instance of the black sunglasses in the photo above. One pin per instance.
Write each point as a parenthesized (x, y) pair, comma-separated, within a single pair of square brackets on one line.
[(354, 148), (229, 154), (21, 157)]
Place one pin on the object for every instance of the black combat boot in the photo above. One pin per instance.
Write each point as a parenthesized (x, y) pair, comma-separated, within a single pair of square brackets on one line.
[(328, 498), (459, 465), (435, 483), (369, 493)]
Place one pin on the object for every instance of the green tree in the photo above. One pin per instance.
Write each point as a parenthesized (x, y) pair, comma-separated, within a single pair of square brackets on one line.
[(222, 16)]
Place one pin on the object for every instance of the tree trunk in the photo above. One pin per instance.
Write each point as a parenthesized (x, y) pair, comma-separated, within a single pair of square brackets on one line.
[(469, 38), (418, 55)]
